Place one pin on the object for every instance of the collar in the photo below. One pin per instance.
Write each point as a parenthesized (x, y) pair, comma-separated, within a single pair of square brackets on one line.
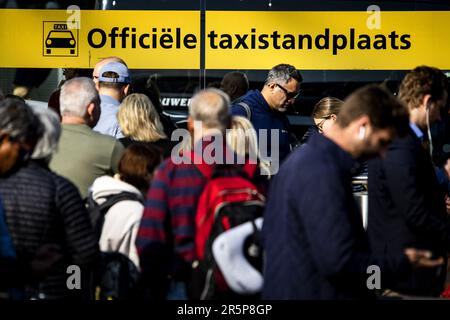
[(217, 150), (108, 100), (76, 127), (416, 130)]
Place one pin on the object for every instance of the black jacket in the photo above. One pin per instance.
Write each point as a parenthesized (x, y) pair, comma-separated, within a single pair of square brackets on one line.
[(407, 209), (316, 246), (44, 208)]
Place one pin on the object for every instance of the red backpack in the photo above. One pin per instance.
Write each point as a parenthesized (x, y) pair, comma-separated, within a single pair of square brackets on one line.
[(228, 200)]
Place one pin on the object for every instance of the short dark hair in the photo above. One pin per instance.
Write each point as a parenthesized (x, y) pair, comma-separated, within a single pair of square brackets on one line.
[(138, 163), (283, 73), (421, 81), (383, 109), (19, 122), (235, 84)]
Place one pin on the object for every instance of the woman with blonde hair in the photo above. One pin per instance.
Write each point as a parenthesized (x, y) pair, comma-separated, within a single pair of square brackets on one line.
[(242, 139), (140, 122)]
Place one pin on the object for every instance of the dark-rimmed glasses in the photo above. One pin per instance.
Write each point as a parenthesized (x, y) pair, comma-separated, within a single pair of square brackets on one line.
[(289, 95)]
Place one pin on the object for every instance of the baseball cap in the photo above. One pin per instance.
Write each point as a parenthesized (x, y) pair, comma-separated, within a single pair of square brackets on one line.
[(117, 67), (228, 251)]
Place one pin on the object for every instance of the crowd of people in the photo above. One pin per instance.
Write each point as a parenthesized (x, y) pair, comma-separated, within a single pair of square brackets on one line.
[(100, 172)]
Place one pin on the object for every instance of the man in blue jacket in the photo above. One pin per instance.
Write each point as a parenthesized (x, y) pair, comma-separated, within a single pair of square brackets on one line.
[(316, 246), (265, 109)]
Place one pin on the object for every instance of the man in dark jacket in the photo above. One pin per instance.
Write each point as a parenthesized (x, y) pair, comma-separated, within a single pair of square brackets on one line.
[(406, 203), (265, 109), (316, 246)]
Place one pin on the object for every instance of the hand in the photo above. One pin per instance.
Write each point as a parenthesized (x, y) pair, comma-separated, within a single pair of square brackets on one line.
[(447, 204), (45, 259), (447, 168), (422, 258)]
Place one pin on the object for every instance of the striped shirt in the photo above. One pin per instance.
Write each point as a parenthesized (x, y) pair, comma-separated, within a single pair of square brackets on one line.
[(172, 201)]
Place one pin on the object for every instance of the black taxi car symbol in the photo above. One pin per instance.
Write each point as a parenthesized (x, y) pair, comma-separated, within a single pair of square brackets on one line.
[(60, 39)]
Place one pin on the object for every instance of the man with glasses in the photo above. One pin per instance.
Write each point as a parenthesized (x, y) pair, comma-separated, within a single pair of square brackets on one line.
[(266, 109)]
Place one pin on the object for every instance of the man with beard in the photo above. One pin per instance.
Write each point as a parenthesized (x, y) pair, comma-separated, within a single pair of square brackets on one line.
[(316, 246)]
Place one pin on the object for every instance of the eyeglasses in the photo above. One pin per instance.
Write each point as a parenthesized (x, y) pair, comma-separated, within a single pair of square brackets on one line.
[(319, 125), (289, 95)]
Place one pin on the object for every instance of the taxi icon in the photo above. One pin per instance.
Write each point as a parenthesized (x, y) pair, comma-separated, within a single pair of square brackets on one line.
[(60, 39)]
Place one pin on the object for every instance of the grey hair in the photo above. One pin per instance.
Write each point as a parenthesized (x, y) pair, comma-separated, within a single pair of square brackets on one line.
[(212, 107), (19, 121), (76, 95), (282, 73), (48, 143)]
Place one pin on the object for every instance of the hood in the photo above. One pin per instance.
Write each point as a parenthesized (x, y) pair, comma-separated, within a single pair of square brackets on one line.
[(107, 185)]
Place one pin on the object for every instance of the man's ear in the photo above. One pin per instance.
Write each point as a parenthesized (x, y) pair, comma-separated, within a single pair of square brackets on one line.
[(363, 121), (426, 101), (126, 90), (190, 124), (90, 109)]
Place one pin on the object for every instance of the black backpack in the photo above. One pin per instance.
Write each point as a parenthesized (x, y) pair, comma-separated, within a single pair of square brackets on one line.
[(97, 211), (116, 277)]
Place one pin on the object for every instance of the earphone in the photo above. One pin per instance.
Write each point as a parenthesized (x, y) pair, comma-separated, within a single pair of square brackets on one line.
[(362, 133), (429, 130)]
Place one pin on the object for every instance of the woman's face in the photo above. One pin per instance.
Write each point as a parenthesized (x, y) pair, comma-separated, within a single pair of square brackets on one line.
[(325, 124)]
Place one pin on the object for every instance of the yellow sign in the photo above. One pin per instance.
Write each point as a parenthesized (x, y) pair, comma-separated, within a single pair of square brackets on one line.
[(144, 39), (382, 40)]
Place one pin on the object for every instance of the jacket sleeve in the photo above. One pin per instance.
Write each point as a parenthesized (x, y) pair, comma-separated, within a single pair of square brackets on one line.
[(401, 170), (80, 239), (151, 239)]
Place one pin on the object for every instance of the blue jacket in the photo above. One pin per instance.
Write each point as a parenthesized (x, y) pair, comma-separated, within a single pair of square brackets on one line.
[(316, 246), (263, 117)]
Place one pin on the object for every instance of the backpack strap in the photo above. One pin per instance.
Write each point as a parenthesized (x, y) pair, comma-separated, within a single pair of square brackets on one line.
[(247, 109), (115, 198), (97, 211), (250, 169)]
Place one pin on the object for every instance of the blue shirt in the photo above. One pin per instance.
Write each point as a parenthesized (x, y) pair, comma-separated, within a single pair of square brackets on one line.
[(263, 117), (315, 243), (416, 130), (108, 123)]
